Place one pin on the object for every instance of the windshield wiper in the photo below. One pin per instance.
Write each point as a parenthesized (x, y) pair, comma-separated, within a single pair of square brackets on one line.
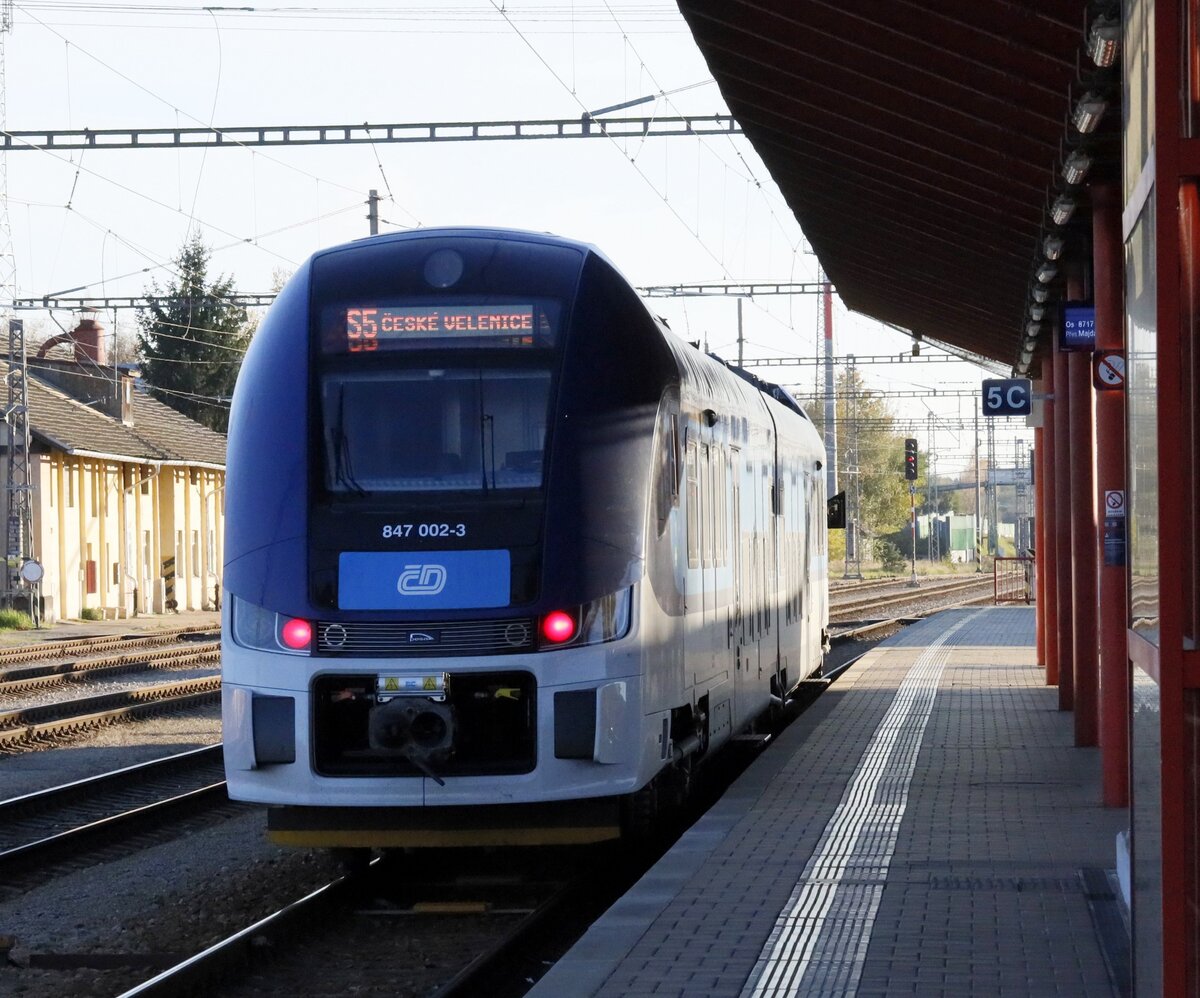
[(343, 468)]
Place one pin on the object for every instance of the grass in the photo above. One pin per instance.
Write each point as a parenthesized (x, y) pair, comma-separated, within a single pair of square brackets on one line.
[(91, 613), (14, 620)]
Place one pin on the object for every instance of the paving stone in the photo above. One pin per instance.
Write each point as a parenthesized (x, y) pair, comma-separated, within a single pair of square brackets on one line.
[(965, 880)]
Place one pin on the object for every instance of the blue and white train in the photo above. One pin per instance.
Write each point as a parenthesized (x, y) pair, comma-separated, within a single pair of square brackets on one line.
[(505, 558)]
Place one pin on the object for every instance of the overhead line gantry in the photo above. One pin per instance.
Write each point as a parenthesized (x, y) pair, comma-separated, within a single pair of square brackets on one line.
[(585, 127)]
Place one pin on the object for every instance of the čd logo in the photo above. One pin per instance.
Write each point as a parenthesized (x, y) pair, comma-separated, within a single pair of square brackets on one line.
[(421, 580)]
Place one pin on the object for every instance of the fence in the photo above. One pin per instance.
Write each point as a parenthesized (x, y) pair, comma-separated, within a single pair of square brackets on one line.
[(1013, 580)]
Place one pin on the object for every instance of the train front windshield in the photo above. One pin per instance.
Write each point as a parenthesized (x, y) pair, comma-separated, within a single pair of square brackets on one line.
[(446, 395), (463, 428)]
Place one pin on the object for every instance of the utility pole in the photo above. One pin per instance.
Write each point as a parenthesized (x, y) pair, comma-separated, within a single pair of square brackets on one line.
[(853, 525), (935, 552), (741, 338), (373, 211), (993, 504), (19, 520), (18, 510), (930, 500), (825, 320), (978, 507)]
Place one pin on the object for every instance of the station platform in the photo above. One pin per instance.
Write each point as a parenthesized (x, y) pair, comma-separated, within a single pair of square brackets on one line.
[(926, 828)]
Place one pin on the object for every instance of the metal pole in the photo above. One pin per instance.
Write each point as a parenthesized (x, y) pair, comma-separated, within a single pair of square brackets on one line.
[(993, 503), (373, 211), (741, 339), (831, 482), (912, 501), (978, 507), (931, 509)]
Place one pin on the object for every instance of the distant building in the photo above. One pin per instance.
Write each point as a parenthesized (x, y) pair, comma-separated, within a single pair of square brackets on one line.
[(128, 495)]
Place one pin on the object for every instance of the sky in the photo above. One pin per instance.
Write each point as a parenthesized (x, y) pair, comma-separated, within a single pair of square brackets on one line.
[(680, 210)]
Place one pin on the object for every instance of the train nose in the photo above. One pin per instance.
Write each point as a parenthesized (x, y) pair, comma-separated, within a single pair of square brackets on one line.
[(419, 730)]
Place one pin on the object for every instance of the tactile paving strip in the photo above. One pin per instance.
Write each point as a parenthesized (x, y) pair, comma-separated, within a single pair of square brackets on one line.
[(819, 941)]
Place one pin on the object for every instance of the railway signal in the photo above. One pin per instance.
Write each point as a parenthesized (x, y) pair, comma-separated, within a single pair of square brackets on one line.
[(910, 459)]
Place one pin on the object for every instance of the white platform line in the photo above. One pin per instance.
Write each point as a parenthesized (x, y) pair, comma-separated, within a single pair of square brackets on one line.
[(854, 852)]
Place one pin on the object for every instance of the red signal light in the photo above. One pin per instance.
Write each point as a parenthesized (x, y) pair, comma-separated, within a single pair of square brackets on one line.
[(296, 634), (558, 627)]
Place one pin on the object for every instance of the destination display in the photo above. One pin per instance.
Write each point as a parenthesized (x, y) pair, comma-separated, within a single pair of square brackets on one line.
[(1078, 328), (390, 327)]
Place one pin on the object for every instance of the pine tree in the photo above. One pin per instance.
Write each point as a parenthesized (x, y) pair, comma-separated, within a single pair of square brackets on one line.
[(191, 339)]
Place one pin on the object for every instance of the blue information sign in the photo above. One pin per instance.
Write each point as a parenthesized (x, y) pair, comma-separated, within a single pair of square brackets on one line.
[(1007, 397), (1079, 327)]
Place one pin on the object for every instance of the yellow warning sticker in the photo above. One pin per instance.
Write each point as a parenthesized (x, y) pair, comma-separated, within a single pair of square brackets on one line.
[(419, 685)]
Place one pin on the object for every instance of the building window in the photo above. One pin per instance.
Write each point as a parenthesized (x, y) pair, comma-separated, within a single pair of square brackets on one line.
[(195, 554)]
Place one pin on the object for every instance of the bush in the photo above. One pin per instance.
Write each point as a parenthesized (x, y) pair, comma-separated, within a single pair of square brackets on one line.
[(14, 620), (91, 613), (890, 556)]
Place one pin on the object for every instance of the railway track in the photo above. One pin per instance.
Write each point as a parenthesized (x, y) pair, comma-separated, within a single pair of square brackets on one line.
[(36, 707), (33, 726), (928, 594), (20, 679), (922, 606), (47, 650), (402, 910), (78, 824)]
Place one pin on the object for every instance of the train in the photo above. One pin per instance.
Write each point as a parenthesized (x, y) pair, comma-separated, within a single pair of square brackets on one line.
[(506, 560)]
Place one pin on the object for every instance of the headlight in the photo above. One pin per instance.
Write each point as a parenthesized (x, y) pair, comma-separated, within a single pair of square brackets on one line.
[(265, 630), (604, 619)]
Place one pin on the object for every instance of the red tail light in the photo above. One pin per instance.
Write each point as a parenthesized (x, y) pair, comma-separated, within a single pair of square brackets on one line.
[(558, 627), (296, 634)]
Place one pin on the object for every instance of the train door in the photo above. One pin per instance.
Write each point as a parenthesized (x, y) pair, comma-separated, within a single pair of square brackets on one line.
[(736, 635), (804, 519), (710, 540), (775, 584), (701, 574)]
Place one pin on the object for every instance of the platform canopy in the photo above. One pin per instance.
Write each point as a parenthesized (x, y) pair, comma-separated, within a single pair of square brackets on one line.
[(921, 145)]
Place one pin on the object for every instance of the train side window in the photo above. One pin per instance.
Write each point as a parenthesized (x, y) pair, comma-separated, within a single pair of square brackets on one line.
[(669, 473), (707, 507), (723, 508), (736, 527), (693, 511)]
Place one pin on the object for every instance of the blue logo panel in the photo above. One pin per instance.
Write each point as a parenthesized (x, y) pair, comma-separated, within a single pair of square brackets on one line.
[(423, 580)]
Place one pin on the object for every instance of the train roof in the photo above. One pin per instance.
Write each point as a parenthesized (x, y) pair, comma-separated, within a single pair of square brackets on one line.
[(468, 232)]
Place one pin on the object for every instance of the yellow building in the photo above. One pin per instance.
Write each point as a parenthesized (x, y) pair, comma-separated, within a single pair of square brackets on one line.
[(128, 496)]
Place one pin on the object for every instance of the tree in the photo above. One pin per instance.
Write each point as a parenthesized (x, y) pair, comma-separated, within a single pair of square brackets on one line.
[(864, 419), (191, 339)]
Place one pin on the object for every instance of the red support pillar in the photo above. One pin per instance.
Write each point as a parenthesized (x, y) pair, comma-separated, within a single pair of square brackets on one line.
[(1037, 541), (1109, 284), (1062, 531), (1085, 673), (1047, 551)]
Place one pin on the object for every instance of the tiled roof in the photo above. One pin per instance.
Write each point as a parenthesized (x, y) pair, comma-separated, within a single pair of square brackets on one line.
[(157, 433), (172, 431)]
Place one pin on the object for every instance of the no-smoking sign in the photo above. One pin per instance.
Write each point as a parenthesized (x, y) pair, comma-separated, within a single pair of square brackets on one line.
[(1108, 370), (1114, 502)]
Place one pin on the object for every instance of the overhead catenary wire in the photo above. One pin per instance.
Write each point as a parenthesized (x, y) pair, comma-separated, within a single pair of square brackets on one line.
[(163, 100)]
